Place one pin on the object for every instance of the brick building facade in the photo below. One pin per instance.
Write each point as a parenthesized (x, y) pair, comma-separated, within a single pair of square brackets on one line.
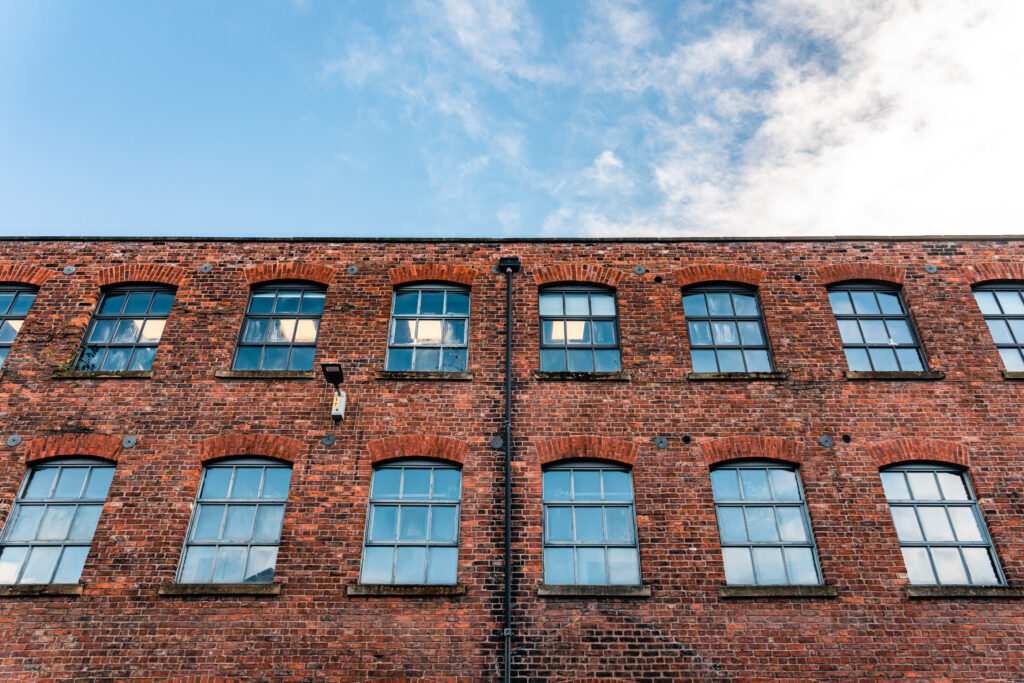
[(655, 416)]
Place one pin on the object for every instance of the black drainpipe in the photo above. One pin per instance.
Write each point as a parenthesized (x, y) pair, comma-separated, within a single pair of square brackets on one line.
[(509, 265)]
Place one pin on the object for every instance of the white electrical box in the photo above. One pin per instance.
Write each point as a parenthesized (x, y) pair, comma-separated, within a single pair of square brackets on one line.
[(338, 407)]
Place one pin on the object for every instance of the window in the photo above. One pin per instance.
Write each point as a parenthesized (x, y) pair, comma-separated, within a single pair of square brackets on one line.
[(125, 329), (590, 526), (412, 529), (236, 523), (429, 329), (726, 328), (941, 533), (280, 328), (579, 330), (763, 525), (14, 305), (1003, 308), (875, 328), (52, 522)]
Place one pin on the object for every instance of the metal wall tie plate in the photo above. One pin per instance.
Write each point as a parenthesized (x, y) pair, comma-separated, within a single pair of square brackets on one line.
[(13, 440)]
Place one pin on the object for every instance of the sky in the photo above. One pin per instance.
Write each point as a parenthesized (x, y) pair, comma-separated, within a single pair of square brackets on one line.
[(511, 118)]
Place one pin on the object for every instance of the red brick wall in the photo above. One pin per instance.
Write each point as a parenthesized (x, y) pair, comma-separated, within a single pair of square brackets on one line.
[(121, 628)]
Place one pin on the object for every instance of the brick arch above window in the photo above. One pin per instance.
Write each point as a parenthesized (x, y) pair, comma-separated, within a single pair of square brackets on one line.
[(28, 275), (245, 444), (577, 272), (907, 450), (719, 272), (69, 445), (748, 447), (141, 272), (436, 272), (269, 272), (587, 448), (860, 270), (418, 446), (978, 273)]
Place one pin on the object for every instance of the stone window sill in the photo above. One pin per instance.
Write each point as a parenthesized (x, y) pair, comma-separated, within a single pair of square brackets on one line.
[(1007, 374), (187, 589), (923, 592), (734, 592), (738, 376), (573, 591), (413, 376), (265, 374), (927, 375), (41, 590), (101, 374), (387, 590), (582, 376)]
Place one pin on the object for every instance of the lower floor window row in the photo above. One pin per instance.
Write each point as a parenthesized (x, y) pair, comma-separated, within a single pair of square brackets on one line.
[(589, 525)]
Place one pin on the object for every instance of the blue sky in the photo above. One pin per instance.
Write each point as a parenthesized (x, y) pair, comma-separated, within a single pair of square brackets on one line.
[(511, 117)]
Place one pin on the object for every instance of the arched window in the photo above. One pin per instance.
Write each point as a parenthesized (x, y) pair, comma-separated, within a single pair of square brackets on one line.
[(51, 525), (1002, 304), (875, 328), (429, 329), (763, 524), (126, 328), (236, 523), (590, 534), (579, 329), (939, 526), (412, 525), (726, 329), (15, 302), (281, 326)]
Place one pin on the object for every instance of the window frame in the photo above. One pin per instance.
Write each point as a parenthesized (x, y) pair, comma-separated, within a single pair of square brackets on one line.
[(1002, 286), (885, 288), (602, 504), (730, 288), (126, 289), (15, 289), (972, 503), (420, 287), (216, 544), (20, 502), (579, 288), (301, 286), (742, 503), (429, 503)]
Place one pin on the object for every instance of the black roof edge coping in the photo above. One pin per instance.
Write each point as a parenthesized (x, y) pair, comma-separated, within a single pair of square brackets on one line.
[(515, 240)]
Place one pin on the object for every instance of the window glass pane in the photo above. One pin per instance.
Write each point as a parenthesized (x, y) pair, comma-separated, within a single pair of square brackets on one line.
[(607, 360), (406, 302), (899, 332), (281, 330), (305, 331), (428, 332), (617, 485), (71, 482), (41, 562), (554, 331), (384, 522), (987, 303), (551, 304), (576, 304), (399, 359), (69, 568), (447, 483), (623, 567), (411, 565), (750, 333), (416, 483), (935, 524), (11, 559), (884, 360), (919, 567), (556, 485), (412, 524), (262, 303), (965, 524), (301, 358), (91, 358), (577, 332), (602, 304), (558, 566), (588, 525), (559, 528), (22, 303), (923, 486), (791, 524), (731, 526), (849, 332), (979, 563), (431, 303), (443, 565), (952, 485), (719, 303), (784, 486), (725, 485), (1012, 359), (9, 330), (248, 358), (454, 332), (41, 483), (1000, 332), (457, 303), (704, 361), (1010, 302), (895, 486), (116, 359), (1017, 328), (453, 360), (287, 301), (142, 358), (386, 483), (377, 565), (552, 360), (230, 564), (604, 332), (26, 523), (197, 565), (840, 303), (3, 355), (586, 485), (56, 523), (864, 303), (755, 484), (874, 331), (247, 482), (738, 568), (745, 304), (138, 303), (261, 565), (800, 562), (725, 333), (99, 482), (581, 360), (255, 330), (618, 524), (209, 522), (590, 567), (216, 482), (730, 361), (694, 306), (890, 303), (84, 526), (442, 523), (910, 360), (161, 303), (949, 566), (239, 521), (112, 304), (700, 333), (5, 301), (769, 566), (761, 524), (275, 358), (312, 303), (905, 521), (268, 523), (857, 359)]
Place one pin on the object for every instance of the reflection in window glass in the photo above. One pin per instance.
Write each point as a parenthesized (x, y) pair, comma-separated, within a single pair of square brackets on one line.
[(875, 329), (280, 329), (579, 330), (125, 329), (726, 329), (15, 303), (429, 329)]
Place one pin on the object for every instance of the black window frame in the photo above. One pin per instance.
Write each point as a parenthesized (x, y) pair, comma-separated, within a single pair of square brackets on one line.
[(5, 315), (575, 288), (301, 286), (728, 288), (875, 288), (1018, 345), (419, 288), (82, 363)]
